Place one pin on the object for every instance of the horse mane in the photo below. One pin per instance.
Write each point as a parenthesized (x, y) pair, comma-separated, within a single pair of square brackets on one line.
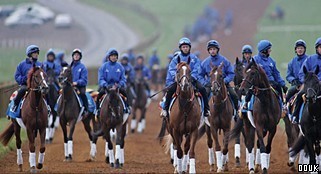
[(260, 70), (30, 73), (214, 68), (181, 64), (113, 97)]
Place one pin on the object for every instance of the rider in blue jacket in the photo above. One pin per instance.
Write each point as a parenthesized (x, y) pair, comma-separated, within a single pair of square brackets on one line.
[(79, 75), (145, 71), (60, 59), (153, 60), (246, 54), (22, 70), (130, 76), (184, 45), (50, 63), (310, 63), (215, 59), (111, 73)]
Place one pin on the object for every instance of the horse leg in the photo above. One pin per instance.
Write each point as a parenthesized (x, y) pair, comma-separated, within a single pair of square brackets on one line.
[(86, 123), (249, 133), (64, 131), (194, 137), (225, 150), (178, 141), (48, 129), (217, 149), (211, 159), (269, 145), (142, 120), (290, 141), (133, 122), (257, 157), (18, 145), (237, 151), (317, 152), (263, 154), (120, 143), (52, 128), (111, 158), (42, 150), (187, 146), (70, 143), (32, 149)]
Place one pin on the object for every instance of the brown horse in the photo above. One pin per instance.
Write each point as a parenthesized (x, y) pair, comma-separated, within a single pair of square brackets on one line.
[(220, 119), (69, 110), (266, 115), (184, 119), (112, 116), (34, 115), (140, 103)]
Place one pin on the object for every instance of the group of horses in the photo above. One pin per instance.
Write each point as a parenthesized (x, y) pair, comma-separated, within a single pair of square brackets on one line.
[(185, 120), (37, 116)]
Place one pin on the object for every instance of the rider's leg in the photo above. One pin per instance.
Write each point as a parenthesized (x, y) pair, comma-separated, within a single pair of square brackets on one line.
[(202, 90), (298, 103), (123, 92), (168, 97), (290, 93), (233, 96), (100, 94), (83, 96), (247, 98), (147, 88), (21, 92)]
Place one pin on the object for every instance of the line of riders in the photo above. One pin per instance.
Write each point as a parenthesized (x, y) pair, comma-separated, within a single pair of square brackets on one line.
[(112, 73)]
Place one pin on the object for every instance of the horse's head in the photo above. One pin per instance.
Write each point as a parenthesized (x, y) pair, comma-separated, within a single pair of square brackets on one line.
[(114, 105), (217, 81), (183, 76), (65, 76), (254, 77), (37, 80), (239, 72), (312, 85), (51, 76), (139, 77)]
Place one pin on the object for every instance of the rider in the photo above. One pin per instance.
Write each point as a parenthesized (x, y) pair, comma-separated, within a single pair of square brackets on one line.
[(21, 73), (246, 54), (129, 73), (110, 74), (145, 72), (184, 45), (153, 60), (213, 48), (50, 63), (310, 63), (79, 76), (60, 56)]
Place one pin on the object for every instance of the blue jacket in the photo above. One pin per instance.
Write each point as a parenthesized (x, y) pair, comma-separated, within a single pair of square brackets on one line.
[(228, 69), (110, 73), (294, 67), (21, 74), (195, 66), (153, 60), (79, 74), (59, 61), (129, 72), (145, 70), (52, 65), (310, 63), (269, 66)]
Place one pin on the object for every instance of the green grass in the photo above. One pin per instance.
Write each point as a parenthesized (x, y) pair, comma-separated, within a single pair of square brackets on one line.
[(297, 12), (14, 2), (172, 15), (4, 122)]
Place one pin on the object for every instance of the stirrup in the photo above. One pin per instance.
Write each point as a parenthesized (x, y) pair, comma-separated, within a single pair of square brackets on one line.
[(164, 113)]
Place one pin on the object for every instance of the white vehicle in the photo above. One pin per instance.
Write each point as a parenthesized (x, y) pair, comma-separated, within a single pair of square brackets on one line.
[(35, 10), (16, 20), (63, 21)]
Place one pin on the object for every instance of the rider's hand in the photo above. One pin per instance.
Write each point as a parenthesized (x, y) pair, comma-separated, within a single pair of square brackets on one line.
[(285, 89), (74, 83)]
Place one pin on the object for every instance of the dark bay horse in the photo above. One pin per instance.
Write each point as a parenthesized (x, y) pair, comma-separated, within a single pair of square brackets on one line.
[(184, 119), (34, 114), (52, 97), (266, 115), (69, 110), (112, 116), (311, 118), (221, 116), (140, 103)]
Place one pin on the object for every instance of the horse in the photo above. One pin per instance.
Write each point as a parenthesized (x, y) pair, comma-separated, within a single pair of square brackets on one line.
[(69, 110), (52, 97), (184, 119), (221, 116), (140, 103), (311, 116), (266, 116), (112, 116), (34, 114)]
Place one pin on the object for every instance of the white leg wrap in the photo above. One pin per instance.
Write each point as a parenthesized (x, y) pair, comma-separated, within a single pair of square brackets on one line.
[(52, 132), (258, 157), (112, 133), (106, 149), (291, 159), (117, 153), (224, 159), (211, 159), (122, 156), (66, 149), (227, 159), (19, 157), (264, 161), (93, 149), (133, 124), (41, 158), (301, 157), (175, 158), (185, 158), (237, 150), (251, 160), (143, 124), (268, 160), (57, 122), (188, 158), (247, 155), (192, 165), (47, 133), (219, 159), (139, 127), (70, 152), (172, 151), (32, 159), (306, 159), (111, 156), (179, 165)]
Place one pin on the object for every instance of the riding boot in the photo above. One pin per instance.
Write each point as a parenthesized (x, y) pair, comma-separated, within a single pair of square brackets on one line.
[(233, 96), (85, 102), (168, 97), (21, 93), (248, 97), (298, 104)]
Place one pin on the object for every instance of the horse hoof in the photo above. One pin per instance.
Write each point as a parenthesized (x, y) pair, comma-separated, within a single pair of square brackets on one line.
[(264, 171), (67, 159), (225, 168), (112, 165), (237, 162), (172, 161), (212, 168), (252, 171), (20, 168), (117, 164), (33, 170), (132, 131), (107, 160), (39, 166), (219, 170), (91, 159), (121, 165), (257, 168), (290, 164)]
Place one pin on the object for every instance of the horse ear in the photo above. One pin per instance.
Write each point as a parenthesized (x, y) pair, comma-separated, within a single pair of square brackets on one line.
[(178, 59), (253, 62), (189, 59), (305, 70), (237, 61), (316, 71)]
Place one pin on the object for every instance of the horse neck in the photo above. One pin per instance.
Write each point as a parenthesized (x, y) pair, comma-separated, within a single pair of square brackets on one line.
[(68, 91), (35, 98), (186, 99), (222, 96)]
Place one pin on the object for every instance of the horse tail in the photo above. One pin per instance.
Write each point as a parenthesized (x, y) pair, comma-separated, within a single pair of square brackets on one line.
[(7, 134), (234, 133), (298, 146), (169, 140), (162, 131), (201, 132)]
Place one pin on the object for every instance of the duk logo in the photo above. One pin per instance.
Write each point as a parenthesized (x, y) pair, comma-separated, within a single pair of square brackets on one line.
[(308, 167)]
